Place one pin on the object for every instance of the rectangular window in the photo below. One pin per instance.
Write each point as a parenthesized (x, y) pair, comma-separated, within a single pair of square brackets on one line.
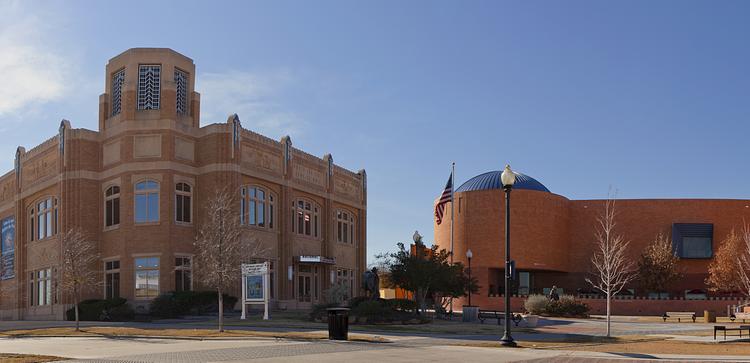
[(147, 277), (40, 292), (181, 82), (149, 87), (118, 79), (183, 277), (693, 240), (112, 279), (183, 208)]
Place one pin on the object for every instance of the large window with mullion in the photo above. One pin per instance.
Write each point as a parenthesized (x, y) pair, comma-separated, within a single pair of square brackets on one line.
[(147, 202), (146, 277), (257, 207), (112, 206)]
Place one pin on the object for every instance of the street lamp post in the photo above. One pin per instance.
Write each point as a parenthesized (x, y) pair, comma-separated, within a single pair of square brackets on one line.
[(469, 255), (508, 178)]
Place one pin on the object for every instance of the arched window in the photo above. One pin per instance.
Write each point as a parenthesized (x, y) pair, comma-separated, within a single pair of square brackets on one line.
[(306, 218), (147, 202), (345, 226), (183, 201), (257, 207), (112, 206), (43, 219)]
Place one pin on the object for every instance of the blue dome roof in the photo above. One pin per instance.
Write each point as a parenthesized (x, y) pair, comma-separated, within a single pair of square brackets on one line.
[(491, 180)]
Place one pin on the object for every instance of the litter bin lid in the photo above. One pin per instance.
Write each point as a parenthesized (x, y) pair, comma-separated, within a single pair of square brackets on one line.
[(338, 309)]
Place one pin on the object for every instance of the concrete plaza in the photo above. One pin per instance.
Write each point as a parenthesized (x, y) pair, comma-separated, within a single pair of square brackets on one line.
[(402, 346)]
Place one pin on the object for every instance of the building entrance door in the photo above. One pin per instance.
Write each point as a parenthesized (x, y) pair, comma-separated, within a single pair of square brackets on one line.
[(303, 288), (307, 284)]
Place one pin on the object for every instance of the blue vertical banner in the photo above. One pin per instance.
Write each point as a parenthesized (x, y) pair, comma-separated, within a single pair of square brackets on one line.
[(7, 248)]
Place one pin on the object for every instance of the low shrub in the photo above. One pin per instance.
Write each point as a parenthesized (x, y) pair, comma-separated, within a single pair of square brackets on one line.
[(177, 304), (98, 310), (319, 312), (536, 304), (355, 301), (403, 304), (567, 306)]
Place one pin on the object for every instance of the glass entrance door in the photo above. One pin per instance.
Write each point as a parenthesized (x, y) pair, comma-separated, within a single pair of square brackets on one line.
[(303, 288)]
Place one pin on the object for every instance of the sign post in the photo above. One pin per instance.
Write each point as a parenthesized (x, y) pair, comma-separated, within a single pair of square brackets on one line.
[(255, 287)]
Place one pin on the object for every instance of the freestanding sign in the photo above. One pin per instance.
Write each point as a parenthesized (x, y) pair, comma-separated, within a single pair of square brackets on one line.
[(255, 287)]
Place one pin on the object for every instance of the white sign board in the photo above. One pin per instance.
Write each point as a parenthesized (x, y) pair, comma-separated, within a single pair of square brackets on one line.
[(255, 287)]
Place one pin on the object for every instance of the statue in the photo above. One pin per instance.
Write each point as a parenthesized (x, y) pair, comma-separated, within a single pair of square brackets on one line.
[(371, 283)]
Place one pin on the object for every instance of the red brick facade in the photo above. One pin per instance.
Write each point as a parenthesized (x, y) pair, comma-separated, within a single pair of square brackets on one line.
[(552, 237)]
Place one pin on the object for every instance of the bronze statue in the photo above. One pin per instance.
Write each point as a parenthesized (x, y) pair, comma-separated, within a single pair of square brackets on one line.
[(371, 283)]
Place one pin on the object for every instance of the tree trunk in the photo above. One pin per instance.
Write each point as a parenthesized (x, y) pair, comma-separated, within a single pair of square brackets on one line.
[(609, 316), (78, 321), (221, 311)]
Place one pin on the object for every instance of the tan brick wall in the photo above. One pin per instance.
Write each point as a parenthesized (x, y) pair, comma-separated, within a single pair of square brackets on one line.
[(202, 157)]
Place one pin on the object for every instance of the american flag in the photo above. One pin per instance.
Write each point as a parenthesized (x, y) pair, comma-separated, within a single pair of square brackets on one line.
[(446, 197)]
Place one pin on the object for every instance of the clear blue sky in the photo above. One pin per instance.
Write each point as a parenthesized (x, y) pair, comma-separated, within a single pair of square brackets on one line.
[(646, 96)]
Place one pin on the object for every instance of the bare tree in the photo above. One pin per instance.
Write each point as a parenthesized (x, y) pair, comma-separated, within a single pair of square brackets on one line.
[(220, 248), (613, 269), (79, 270), (743, 260)]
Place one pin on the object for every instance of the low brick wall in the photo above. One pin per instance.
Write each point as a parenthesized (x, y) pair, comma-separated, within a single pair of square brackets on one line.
[(635, 306)]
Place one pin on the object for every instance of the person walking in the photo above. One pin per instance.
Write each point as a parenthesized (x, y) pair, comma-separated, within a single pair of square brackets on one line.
[(553, 296)]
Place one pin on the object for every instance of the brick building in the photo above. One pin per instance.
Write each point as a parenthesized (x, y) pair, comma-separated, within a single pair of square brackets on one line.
[(552, 237), (137, 185)]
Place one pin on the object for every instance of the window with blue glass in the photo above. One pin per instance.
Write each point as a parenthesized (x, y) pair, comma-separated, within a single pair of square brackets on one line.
[(693, 240), (147, 202)]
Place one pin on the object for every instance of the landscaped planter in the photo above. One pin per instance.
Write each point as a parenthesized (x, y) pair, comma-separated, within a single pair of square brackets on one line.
[(529, 321)]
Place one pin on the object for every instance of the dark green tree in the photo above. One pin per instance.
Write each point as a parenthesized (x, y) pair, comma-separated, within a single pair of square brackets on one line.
[(427, 273)]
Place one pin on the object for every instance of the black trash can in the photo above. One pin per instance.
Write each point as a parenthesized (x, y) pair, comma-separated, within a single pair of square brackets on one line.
[(338, 323)]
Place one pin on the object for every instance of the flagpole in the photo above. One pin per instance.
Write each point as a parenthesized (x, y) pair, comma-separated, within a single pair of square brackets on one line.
[(453, 184), (453, 204)]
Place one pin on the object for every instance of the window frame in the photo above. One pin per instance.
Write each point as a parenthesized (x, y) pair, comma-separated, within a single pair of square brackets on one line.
[(183, 195), (116, 200), (181, 269), (306, 217), (49, 215), (249, 200), (147, 193), (112, 271), (346, 225), (136, 269), (40, 280), (140, 101), (182, 97), (117, 82)]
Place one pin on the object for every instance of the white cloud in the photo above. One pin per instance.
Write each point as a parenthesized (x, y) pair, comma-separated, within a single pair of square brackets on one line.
[(255, 97), (32, 72)]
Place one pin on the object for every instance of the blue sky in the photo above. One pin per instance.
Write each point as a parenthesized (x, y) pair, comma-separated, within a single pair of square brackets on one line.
[(647, 96)]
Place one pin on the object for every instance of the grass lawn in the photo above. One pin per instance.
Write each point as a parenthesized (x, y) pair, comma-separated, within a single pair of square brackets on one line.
[(635, 344), (176, 333), (26, 358)]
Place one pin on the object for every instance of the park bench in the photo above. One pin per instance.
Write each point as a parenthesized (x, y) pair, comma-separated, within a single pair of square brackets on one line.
[(725, 329), (741, 316), (679, 315), (499, 315)]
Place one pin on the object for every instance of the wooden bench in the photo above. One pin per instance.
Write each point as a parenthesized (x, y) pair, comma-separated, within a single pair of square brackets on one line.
[(679, 315), (741, 316), (725, 329), (499, 315)]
